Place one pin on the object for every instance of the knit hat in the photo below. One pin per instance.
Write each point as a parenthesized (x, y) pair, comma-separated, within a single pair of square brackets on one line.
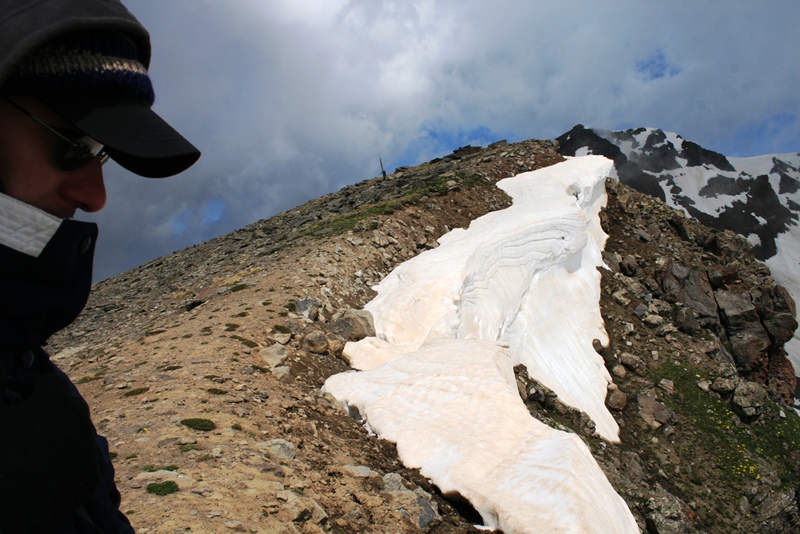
[(96, 80)]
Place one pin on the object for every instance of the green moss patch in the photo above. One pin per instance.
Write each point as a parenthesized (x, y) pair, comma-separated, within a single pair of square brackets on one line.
[(246, 341), (199, 424), (162, 488)]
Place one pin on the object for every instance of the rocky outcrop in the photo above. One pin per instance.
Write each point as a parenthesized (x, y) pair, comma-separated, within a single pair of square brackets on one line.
[(734, 297), (696, 327)]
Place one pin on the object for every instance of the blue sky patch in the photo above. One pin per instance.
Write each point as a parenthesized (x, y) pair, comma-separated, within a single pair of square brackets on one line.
[(435, 142), (656, 67), (194, 220), (774, 135)]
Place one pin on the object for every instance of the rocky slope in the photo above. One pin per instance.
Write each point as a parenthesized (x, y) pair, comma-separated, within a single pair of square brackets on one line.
[(203, 368)]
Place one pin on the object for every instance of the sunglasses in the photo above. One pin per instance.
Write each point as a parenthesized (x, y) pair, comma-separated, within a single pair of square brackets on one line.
[(81, 149)]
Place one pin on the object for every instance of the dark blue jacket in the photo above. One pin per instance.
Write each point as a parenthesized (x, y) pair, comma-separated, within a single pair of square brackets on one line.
[(55, 471)]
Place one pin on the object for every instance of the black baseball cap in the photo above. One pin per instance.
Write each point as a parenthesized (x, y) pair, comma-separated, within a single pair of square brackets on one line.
[(134, 135), (88, 61)]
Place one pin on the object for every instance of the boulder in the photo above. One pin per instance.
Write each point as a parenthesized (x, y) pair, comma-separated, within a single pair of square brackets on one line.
[(667, 514), (690, 286), (723, 386), (630, 361), (274, 355), (748, 400), (781, 377), (617, 400), (777, 308), (307, 307), (353, 325), (315, 341), (417, 506), (277, 449), (750, 343)]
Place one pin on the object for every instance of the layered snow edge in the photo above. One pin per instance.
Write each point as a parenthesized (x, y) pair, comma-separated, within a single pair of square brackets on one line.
[(519, 286)]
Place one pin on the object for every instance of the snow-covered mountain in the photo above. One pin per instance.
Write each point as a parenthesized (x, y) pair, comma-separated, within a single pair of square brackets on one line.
[(756, 197)]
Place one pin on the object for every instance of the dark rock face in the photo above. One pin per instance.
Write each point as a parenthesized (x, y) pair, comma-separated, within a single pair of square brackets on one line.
[(753, 321), (692, 315), (630, 172), (683, 284), (749, 341), (655, 165), (762, 214)]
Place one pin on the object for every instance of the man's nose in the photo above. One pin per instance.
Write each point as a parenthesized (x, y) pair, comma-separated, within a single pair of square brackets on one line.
[(85, 187)]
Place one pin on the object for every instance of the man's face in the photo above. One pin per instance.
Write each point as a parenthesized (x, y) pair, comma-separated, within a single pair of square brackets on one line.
[(29, 168)]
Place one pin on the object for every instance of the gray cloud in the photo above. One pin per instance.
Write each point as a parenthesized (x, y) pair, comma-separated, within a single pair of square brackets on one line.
[(291, 100)]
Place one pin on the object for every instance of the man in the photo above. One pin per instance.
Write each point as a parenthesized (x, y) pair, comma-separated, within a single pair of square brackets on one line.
[(74, 91)]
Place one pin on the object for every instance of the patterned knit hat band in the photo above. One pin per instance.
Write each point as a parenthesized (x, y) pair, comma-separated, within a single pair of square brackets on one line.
[(90, 62)]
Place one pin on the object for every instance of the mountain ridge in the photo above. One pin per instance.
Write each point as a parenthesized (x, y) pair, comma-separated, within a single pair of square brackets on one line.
[(244, 329)]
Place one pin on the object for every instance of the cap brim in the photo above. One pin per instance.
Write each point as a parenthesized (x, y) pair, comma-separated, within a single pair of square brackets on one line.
[(134, 135)]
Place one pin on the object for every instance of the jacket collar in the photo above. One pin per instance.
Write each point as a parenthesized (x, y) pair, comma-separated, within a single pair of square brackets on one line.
[(25, 228), (45, 273)]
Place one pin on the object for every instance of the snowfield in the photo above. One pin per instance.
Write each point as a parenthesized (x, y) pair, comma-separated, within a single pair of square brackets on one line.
[(519, 286)]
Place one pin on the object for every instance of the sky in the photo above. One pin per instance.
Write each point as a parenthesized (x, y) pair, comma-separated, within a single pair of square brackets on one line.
[(292, 100), (519, 286)]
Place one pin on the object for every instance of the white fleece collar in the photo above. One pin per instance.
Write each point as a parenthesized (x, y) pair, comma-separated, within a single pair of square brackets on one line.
[(25, 228)]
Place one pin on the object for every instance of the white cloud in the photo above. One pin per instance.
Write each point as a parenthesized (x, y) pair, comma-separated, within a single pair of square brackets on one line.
[(290, 100)]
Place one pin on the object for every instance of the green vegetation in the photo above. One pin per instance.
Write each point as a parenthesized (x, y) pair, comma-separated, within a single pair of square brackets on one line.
[(216, 391), (199, 424), (88, 378), (237, 287), (162, 488), (737, 446), (94, 374), (137, 391), (247, 342), (414, 193), (348, 221)]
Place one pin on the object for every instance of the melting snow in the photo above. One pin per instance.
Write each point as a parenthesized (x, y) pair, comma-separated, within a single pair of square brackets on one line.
[(519, 286)]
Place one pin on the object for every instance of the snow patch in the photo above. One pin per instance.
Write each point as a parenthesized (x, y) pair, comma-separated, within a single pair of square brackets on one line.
[(520, 286)]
